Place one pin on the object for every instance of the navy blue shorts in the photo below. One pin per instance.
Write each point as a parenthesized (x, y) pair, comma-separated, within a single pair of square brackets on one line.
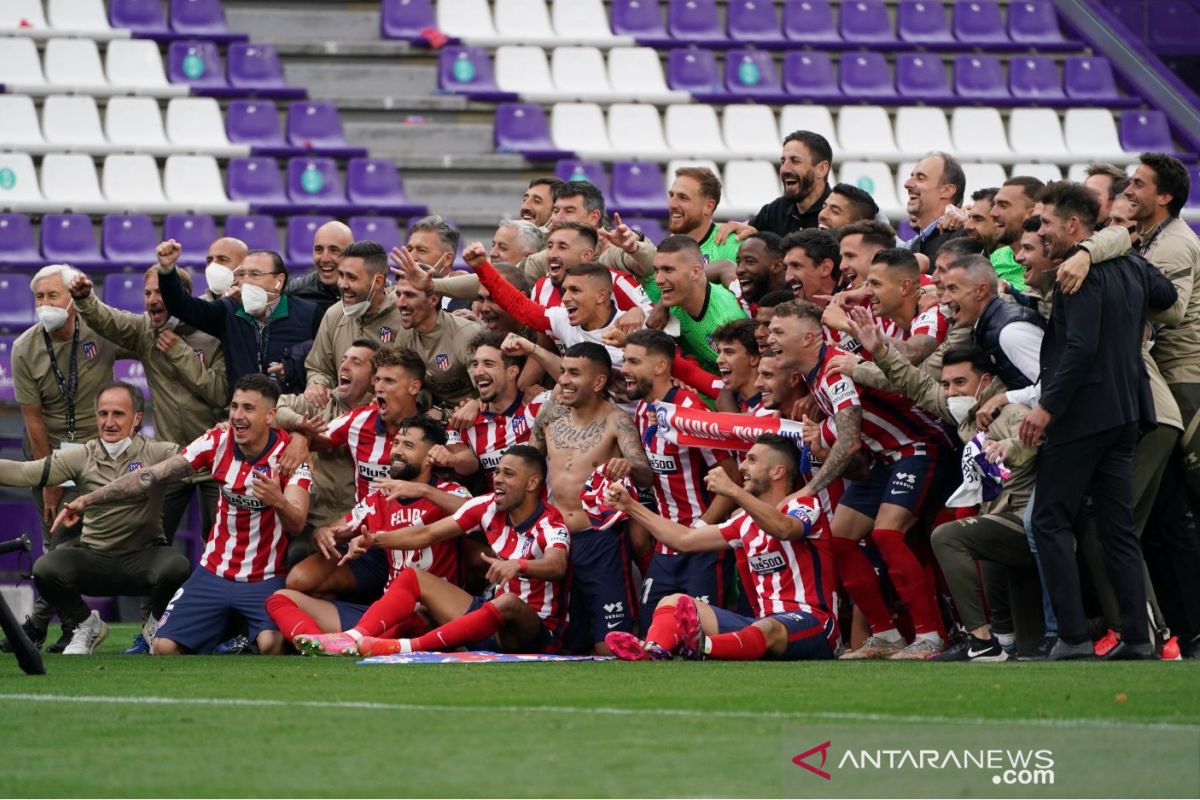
[(198, 614), (705, 576), (602, 598), (371, 572), (808, 638), (909, 483), (349, 613), (545, 641)]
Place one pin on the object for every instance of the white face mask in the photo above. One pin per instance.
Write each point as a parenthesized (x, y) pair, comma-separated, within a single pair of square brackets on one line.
[(116, 449), (219, 277), (254, 299), (52, 317), (960, 407), (356, 310)]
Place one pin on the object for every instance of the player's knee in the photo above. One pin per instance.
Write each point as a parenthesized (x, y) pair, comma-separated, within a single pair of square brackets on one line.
[(775, 633), (166, 647), (670, 600), (270, 643), (305, 577), (509, 606)]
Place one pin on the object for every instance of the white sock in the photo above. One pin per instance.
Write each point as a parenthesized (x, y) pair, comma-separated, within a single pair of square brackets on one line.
[(1005, 639), (929, 637), (405, 645), (354, 634), (890, 635)]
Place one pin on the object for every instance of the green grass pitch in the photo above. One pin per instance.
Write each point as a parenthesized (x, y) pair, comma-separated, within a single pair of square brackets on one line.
[(291, 726)]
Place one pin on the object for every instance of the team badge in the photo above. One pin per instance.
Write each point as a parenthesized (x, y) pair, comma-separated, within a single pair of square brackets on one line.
[(89, 350), (134, 466), (443, 361), (263, 469), (520, 425), (386, 334)]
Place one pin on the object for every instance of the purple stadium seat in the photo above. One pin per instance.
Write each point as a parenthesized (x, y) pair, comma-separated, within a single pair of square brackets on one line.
[(258, 231), (125, 291), (256, 123), (21, 517), (809, 75), (127, 369), (694, 21), (922, 76), (468, 70), (923, 22), (979, 77), (571, 169), (1175, 26), (637, 188), (865, 76), (753, 21), (690, 69), (641, 19), (17, 245), (1193, 200), (1130, 13), (751, 74), (16, 304), (255, 180), (256, 68), (374, 184), (196, 63), (143, 17), (6, 377), (1146, 131), (300, 232), (383, 230), (522, 128), (194, 232), (202, 19), (1034, 22), (129, 239), (652, 229), (405, 19), (1034, 78), (810, 21), (866, 22), (314, 183), (316, 126), (979, 22), (1089, 79), (69, 239)]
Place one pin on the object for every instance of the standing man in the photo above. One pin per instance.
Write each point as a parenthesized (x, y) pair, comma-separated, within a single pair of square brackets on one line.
[(1106, 182), (321, 285), (691, 202), (936, 182), (804, 170), (1013, 204), (847, 205), (810, 264), (538, 200), (224, 257)]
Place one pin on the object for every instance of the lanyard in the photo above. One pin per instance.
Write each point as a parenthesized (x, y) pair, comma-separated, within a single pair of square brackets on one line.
[(1145, 248), (67, 386)]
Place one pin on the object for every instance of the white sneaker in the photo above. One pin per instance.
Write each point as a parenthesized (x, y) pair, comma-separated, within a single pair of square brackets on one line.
[(150, 630), (87, 637)]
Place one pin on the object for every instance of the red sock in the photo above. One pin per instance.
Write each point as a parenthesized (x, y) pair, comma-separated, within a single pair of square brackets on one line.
[(858, 576), (748, 644), (663, 630), (908, 577), (396, 605), (288, 617), (467, 629)]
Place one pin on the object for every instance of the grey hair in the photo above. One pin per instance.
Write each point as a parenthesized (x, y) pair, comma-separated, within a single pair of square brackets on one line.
[(530, 237), (447, 235), (979, 270), (67, 272)]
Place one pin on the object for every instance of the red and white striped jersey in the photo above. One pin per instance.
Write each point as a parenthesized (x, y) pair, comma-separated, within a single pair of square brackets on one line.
[(363, 432), (627, 293), (247, 542), (531, 539), (893, 427), (381, 514), (678, 471), (491, 434), (931, 322), (753, 406)]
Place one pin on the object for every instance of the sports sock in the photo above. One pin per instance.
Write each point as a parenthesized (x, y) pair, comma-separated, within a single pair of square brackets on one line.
[(396, 605), (908, 577), (858, 576), (663, 630), (748, 644), (289, 618), (467, 629)]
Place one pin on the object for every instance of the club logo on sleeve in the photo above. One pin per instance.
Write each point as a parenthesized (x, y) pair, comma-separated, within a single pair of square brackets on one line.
[(443, 361), (841, 390), (89, 350), (386, 334), (134, 466)]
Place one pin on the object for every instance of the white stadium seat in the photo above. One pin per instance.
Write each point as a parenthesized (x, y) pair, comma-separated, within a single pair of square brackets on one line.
[(747, 187), (1091, 135), (750, 131), (21, 129), (985, 175), (20, 67), (195, 183), (135, 65), (72, 123), (920, 130), (69, 180), (195, 124), (692, 130), (580, 127), (79, 16), (469, 20), (1077, 173), (523, 69), (636, 128), (74, 64), (875, 178), (24, 194), (637, 72), (583, 21), (17, 15), (525, 21), (1036, 133), (135, 123), (1043, 172), (809, 118), (979, 133), (131, 183), (677, 163), (579, 73), (865, 133), (903, 170)]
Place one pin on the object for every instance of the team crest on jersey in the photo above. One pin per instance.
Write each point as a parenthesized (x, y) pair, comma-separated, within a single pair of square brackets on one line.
[(263, 469), (520, 425), (89, 350), (134, 466), (443, 361), (386, 334), (527, 542)]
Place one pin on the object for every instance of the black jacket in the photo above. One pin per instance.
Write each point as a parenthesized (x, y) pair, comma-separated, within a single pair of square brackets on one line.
[(309, 287)]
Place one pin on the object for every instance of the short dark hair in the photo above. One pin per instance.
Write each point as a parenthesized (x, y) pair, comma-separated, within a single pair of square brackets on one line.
[(258, 382), (959, 247), (135, 395), (681, 243), (596, 353), (900, 259), (740, 331), (988, 194), (546, 180), (873, 232), (434, 432), (817, 144), (591, 269), (771, 240), (447, 234), (818, 245), (531, 456), (800, 309), (710, 184), (952, 173), (653, 341), (968, 353), (1170, 177), (495, 340), (1032, 186), (1032, 224), (775, 297), (582, 228), (277, 265), (862, 205), (1118, 180), (391, 355), (372, 253), (370, 344), (593, 198), (1072, 200), (785, 448)]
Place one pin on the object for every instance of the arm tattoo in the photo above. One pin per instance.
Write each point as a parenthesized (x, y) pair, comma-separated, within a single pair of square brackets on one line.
[(631, 445), (138, 483), (849, 431), (550, 412)]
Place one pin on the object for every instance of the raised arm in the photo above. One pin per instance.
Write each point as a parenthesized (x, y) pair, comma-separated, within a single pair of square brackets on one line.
[(769, 518), (135, 484), (678, 537), (418, 537), (202, 314), (120, 327)]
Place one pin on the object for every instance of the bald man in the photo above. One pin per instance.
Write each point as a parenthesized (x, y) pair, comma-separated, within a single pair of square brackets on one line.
[(320, 286), (224, 257)]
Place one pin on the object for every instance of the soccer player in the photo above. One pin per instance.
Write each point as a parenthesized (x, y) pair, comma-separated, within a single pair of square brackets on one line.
[(857, 245), (810, 261), (894, 286), (759, 269), (737, 363), (846, 205), (523, 611), (257, 511), (786, 541)]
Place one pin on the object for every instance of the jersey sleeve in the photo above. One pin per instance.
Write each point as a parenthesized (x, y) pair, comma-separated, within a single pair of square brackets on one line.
[(731, 530), (453, 437), (629, 294), (302, 478), (470, 514), (931, 323), (338, 430), (555, 535), (365, 511), (808, 511), (839, 391), (454, 488), (200, 452)]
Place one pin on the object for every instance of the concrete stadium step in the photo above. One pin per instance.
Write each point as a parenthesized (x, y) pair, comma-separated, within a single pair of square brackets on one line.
[(388, 138), (284, 22), (360, 77)]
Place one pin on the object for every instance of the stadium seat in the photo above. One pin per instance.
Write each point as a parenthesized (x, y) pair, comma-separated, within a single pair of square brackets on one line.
[(809, 118), (405, 19), (923, 22), (255, 67), (377, 229), (194, 232), (195, 124), (978, 22), (809, 75), (142, 17), (751, 75), (692, 130), (522, 128), (258, 231), (1173, 26), (652, 229), (523, 70), (137, 64), (747, 185), (920, 130), (128, 238), (19, 189), (135, 123), (876, 179), (753, 22), (694, 21), (674, 164), (315, 183), (132, 182), (580, 128), (86, 17), (979, 77), (526, 21), (21, 129), (922, 76), (70, 239), (69, 180), (810, 21), (641, 19), (637, 128), (865, 76), (17, 245), (1091, 135), (255, 180), (582, 22), (1146, 131), (20, 67), (374, 184), (72, 122), (316, 126), (21, 14), (694, 70), (469, 20), (468, 70), (256, 123), (979, 133), (125, 292), (202, 19), (1034, 22), (637, 188), (74, 65), (982, 176), (300, 232), (1043, 172), (1034, 78), (576, 169), (579, 73), (196, 64), (1036, 133), (1089, 80), (637, 72), (750, 131), (16, 313), (865, 133), (194, 182), (866, 22)]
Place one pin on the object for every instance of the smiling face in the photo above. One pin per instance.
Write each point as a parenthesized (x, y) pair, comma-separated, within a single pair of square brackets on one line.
[(536, 204), (512, 481), (639, 370), (966, 302), (927, 197), (505, 247), (961, 380), (773, 383), (565, 248), (688, 211), (356, 283), (888, 292), (979, 225), (736, 366), (1030, 253), (795, 340), (856, 259), (115, 416), (756, 269), (328, 243), (756, 469), (1009, 209), (762, 324), (580, 382), (418, 310), (835, 213), (797, 171), (355, 375), (250, 418), (806, 277), (678, 276), (490, 374), (410, 450), (1145, 202), (588, 301), (396, 393), (572, 208), (1057, 234)]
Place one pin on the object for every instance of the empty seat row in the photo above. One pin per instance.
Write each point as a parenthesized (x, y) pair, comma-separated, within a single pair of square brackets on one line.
[(88, 18), (135, 66), (71, 123), (314, 184), (635, 73), (975, 24)]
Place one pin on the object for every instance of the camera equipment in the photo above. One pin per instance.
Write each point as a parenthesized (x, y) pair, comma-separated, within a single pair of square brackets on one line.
[(29, 659)]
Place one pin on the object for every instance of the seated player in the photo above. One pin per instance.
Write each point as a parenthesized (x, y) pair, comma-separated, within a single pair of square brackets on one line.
[(523, 612), (422, 500), (786, 539)]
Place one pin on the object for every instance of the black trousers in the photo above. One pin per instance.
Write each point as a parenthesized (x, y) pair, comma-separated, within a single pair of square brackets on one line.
[(1100, 465)]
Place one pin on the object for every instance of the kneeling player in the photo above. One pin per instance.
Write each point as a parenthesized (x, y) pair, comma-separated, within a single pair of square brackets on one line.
[(786, 540), (525, 611)]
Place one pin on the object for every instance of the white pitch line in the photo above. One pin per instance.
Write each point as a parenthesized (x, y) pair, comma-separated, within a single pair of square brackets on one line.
[(845, 716)]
